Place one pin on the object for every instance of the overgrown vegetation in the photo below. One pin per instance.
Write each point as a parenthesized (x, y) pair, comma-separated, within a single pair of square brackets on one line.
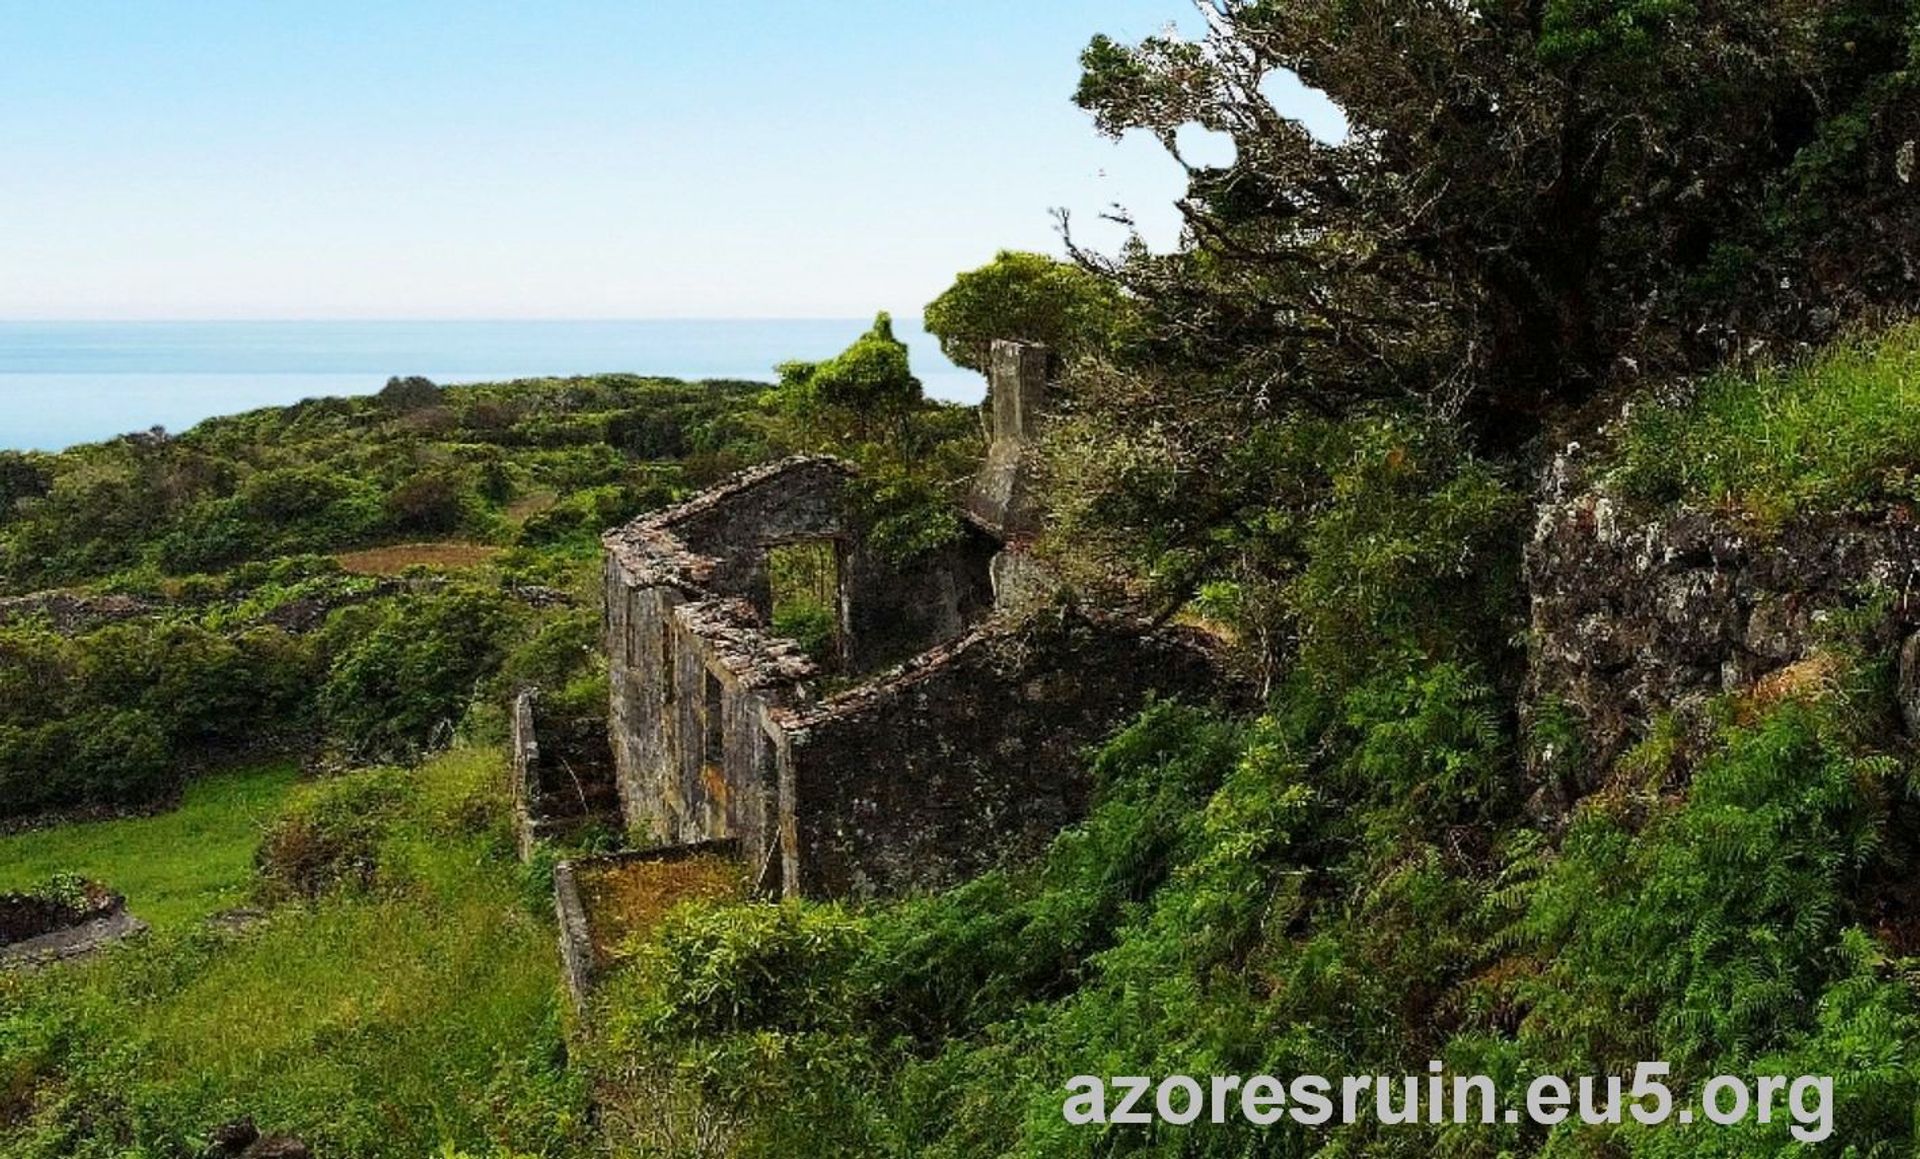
[(398, 1015), (1307, 428), (1837, 433), (354, 958), (1342, 885), (336, 473)]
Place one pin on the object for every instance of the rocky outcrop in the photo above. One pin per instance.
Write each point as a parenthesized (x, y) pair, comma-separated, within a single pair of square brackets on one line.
[(36, 928), (240, 1139), (1638, 613)]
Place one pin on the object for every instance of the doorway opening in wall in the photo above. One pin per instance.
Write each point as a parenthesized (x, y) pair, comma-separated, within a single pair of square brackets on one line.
[(804, 579)]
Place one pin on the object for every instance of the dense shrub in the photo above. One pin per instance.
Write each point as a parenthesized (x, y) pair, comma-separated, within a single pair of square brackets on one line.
[(332, 473), (402, 673), (330, 837), (430, 503)]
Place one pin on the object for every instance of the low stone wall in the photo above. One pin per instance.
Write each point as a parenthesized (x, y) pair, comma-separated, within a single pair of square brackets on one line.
[(36, 930), (72, 613), (579, 960), (560, 777), (1634, 614), (576, 938)]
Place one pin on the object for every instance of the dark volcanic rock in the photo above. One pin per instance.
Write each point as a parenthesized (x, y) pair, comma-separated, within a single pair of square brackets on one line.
[(1634, 614), (240, 1139), (25, 916), (232, 1138), (37, 930)]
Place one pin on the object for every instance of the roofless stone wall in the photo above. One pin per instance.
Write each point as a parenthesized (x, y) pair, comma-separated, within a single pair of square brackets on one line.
[(969, 756), (966, 754), (696, 671)]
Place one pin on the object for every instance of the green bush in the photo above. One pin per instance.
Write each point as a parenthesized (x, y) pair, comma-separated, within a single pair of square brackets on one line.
[(403, 672), (330, 837)]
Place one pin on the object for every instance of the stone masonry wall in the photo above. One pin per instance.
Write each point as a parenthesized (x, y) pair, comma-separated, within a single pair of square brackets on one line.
[(694, 670), (969, 756), (686, 774), (894, 612), (1633, 615)]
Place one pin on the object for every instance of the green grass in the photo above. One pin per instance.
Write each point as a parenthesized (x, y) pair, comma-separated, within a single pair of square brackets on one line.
[(396, 1021), (174, 868), (1840, 432)]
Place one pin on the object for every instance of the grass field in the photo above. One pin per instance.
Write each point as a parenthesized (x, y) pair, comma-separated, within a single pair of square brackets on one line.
[(174, 868), (420, 1017)]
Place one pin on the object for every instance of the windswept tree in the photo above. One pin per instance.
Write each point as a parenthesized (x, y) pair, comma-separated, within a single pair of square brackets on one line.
[(1537, 198), (1537, 202)]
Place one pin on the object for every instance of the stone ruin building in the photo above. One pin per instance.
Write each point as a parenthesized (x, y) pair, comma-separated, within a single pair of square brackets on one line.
[(939, 729)]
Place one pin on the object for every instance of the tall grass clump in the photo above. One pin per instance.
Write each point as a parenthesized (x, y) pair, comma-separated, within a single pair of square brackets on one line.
[(1839, 432)]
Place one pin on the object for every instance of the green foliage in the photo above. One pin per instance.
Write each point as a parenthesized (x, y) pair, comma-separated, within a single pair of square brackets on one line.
[(326, 474), (865, 387), (102, 717), (403, 672), (1790, 809), (1024, 297), (329, 838), (65, 889), (804, 579), (1264, 900), (402, 1022), (1838, 433), (1339, 540)]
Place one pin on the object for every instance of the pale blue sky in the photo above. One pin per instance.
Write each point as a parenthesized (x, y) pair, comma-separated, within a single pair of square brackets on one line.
[(564, 159)]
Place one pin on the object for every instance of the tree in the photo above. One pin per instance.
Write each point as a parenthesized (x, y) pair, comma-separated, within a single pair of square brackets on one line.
[(1537, 199), (868, 386), (409, 394), (21, 477), (1025, 297), (1537, 202)]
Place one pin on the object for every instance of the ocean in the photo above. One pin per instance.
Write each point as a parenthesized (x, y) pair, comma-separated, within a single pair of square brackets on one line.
[(72, 382)]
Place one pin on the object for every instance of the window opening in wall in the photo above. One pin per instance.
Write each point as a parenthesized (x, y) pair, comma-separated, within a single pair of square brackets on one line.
[(667, 675), (804, 579), (629, 616), (716, 731), (767, 771)]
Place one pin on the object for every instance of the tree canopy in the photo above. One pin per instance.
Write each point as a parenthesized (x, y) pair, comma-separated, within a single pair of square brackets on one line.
[(1536, 199), (869, 380), (1026, 297), (1537, 205)]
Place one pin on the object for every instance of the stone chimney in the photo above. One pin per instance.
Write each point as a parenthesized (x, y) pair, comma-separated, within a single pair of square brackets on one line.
[(1003, 493)]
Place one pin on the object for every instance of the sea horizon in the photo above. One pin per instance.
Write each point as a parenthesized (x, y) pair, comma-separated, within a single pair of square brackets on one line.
[(70, 381)]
